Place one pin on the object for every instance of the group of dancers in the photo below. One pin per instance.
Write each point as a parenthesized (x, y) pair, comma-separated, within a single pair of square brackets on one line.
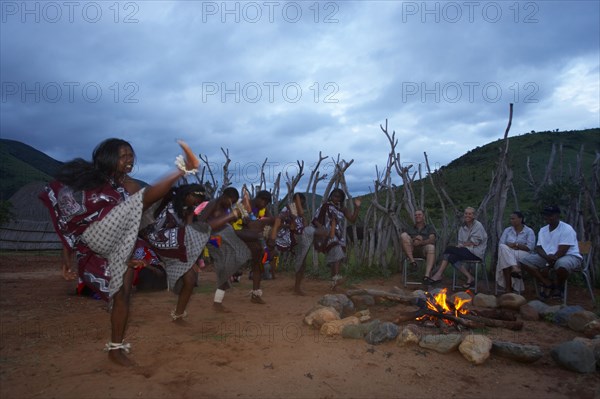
[(123, 234)]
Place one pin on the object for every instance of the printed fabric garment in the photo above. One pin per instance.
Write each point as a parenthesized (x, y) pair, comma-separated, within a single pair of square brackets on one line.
[(325, 215), (195, 236), (72, 212), (230, 254), (292, 226), (113, 237), (94, 273), (166, 236)]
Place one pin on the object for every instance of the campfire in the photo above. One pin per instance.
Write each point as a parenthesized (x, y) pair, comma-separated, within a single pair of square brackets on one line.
[(437, 311), (438, 307)]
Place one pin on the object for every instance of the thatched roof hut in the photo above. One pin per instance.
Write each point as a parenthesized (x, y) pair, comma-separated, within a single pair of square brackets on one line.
[(31, 227)]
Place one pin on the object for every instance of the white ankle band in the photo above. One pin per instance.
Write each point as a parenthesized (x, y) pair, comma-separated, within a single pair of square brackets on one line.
[(219, 295)]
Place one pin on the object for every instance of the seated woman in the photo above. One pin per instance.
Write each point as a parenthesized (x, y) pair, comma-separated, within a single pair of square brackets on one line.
[(472, 242), (516, 242)]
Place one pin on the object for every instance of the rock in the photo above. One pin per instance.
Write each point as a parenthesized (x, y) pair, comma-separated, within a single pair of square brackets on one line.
[(409, 335), (575, 356), (362, 301), (564, 314), (383, 332), (339, 302), (518, 352), (592, 329), (579, 320), (441, 343), (335, 327), (363, 315), (408, 314), (462, 295), (320, 315), (419, 294), (550, 311), (475, 348), (485, 301), (529, 312), (400, 291), (540, 306), (593, 345), (358, 331), (437, 290), (511, 301)]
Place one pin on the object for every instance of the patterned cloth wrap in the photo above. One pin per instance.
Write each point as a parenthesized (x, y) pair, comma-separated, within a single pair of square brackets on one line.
[(73, 212), (334, 248), (230, 255), (178, 245)]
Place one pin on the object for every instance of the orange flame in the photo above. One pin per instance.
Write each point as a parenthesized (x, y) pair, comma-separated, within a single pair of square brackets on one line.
[(440, 305)]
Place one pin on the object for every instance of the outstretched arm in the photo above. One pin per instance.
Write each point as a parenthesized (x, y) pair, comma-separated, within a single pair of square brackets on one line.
[(353, 216), (221, 221)]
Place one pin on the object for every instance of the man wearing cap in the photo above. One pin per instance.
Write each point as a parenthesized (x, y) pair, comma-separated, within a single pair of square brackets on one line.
[(557, 249)]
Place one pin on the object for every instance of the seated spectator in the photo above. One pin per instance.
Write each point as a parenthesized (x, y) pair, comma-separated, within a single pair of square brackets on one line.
[(419, 240), (472, 242), (557, 249), (516, 242)]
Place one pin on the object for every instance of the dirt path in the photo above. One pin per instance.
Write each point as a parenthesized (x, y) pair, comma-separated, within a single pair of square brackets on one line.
[(51, 346)]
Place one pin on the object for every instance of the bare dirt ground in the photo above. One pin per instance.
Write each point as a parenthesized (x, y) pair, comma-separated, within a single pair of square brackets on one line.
[(51, 345)]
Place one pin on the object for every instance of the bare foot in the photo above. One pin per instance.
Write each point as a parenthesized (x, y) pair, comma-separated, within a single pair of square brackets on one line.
[(191, 160), (180, 322), (118, 357), (218, 307)]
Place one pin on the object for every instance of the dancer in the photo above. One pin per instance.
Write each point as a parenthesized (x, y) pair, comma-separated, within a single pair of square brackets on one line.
[(290, 233), (332, 216), (179, 238), (255, 227), (97, 211), (227, 250)]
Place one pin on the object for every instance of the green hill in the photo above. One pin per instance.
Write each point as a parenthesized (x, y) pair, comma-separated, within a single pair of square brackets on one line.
[(466, 179), (469, 176), (22, 164)]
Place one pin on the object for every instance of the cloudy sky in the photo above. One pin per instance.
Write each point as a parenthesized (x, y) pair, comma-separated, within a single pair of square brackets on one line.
[(285, 80)]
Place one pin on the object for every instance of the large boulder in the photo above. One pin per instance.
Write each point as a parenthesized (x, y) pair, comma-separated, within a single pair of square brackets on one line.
[(475, 348), (320, 315)]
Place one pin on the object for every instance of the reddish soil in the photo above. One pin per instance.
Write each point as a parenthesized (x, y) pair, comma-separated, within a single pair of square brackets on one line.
[(51, 345)]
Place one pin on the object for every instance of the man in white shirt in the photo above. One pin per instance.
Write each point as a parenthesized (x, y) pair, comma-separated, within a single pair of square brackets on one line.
[(557, 249)]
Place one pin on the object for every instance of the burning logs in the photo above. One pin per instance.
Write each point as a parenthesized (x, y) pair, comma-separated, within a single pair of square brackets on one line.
[(436, 309)]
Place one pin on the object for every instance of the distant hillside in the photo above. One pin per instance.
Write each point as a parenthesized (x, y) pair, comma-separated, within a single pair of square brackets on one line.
[(22, 164), (468, 177)]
